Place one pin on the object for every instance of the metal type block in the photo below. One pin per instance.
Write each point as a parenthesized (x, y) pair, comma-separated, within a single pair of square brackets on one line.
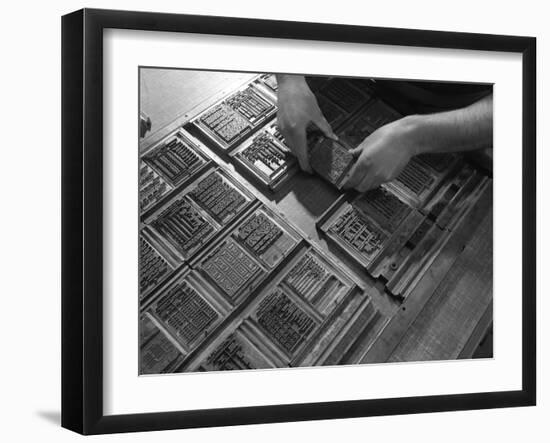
[(153, 268), (185, 313), (219, 196), (384, 207), (356, 233), (330, 160), (177, 157), (152, 187), (236, 352), (159, 355), (284, 321), (183, 226), (266, 158), (266, 236), (316, 279), (228, 122), (230, 269), (345, 95)]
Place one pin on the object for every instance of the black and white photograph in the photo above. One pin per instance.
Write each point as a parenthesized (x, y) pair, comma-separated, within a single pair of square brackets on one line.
[(292, 221)]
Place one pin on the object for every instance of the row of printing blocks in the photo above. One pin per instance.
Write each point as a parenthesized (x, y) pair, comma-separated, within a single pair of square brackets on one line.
[(164, 169), (186, 222), (182, 210), (242, 126), (259, 297)]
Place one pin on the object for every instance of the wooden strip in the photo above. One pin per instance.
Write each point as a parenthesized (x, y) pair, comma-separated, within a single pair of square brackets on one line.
[(396, 329), (359, 324), (451, 315), (363, 343), (478, 335)]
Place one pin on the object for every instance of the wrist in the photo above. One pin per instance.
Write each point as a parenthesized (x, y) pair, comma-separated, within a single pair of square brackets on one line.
[(290, 79), (414, 128)]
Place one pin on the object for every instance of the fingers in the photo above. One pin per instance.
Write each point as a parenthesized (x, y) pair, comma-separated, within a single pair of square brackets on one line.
[(297, 142), (363, 183), (356, 152), (371, 181), (322, 123), (358, 172)]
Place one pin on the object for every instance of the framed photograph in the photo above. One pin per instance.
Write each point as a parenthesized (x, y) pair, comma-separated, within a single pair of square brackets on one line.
[(271, 221)]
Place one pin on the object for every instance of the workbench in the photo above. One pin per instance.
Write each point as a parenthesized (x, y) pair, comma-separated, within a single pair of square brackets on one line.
[(448, 312)]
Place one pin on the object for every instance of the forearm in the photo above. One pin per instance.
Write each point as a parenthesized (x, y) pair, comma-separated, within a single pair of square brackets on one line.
[(463, 129), (283, 79)]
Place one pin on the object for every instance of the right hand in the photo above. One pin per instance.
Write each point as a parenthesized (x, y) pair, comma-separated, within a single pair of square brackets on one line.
[(298, 107)]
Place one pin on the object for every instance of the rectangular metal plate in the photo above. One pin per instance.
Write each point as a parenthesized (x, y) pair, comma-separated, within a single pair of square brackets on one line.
[(158, 352), (266, 236), (232, 270), (153, 267), (230, 121), (345, 95), (266, 158), (330, 160), (219, 195), (188, 313), (152, 187), (176, 158), (355, 233)]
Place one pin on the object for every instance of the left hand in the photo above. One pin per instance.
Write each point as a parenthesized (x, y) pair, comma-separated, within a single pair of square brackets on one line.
[(382, 156)]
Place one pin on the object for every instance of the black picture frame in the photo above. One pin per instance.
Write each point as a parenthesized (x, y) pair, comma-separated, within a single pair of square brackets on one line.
[(82, 220)]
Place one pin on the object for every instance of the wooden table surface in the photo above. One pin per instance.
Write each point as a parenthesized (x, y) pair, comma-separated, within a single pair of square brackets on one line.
[(450, 310)]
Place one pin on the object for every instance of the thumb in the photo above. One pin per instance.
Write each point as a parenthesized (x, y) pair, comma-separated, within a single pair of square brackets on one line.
[(355, 151), (322, 123), (298, 145)]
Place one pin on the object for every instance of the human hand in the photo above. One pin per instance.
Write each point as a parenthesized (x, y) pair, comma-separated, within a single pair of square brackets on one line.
[(297, 108), (382, 155)]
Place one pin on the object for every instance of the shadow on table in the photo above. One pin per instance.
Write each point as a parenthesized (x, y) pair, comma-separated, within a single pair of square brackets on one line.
[(312, 193), (53, 417)]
